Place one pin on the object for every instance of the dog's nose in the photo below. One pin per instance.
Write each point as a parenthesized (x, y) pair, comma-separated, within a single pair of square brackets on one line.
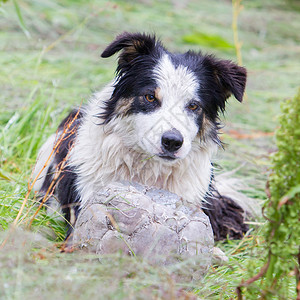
[(172, 140)]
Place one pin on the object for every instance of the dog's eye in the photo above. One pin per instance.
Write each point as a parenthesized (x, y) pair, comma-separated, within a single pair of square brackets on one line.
[(150, 98), (193, 106)]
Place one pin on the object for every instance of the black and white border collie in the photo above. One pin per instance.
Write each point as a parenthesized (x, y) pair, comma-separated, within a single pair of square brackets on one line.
[(156, 124)]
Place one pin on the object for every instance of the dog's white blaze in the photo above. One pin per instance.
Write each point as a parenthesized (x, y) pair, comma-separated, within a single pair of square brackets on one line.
[(177, 86), (107, 153), (177, 82)]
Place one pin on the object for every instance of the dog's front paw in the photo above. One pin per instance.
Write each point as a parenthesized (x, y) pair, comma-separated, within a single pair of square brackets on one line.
[(227, 218)]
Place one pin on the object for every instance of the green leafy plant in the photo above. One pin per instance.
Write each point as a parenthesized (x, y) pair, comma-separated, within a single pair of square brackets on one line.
[(282, 210)]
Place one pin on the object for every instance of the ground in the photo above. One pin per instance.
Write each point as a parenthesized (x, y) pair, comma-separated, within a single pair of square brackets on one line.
[(51, 62)]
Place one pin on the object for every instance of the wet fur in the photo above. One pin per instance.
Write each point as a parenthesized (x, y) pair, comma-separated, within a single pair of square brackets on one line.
[(110, 141)]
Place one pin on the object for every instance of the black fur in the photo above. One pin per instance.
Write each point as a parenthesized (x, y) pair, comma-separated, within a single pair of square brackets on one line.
[(65, 189), (68, 195), (47, 181), (133, 46), (140, 54), (69, 126), (219, 79), (140, 105), (225, 215)]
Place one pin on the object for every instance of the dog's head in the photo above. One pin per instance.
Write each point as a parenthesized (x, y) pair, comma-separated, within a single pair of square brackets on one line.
[(171, 101)]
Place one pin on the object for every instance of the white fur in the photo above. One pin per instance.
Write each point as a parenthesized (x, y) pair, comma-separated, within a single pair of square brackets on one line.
[(43, 156), (177, 86), (127, 148), (45, 160), (106, 153)]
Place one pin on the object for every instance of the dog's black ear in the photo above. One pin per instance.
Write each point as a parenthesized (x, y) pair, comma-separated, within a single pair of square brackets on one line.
[(229, 77), (132, 44)]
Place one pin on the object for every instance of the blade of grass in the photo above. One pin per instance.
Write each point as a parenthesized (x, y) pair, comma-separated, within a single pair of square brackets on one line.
[(21, 20)]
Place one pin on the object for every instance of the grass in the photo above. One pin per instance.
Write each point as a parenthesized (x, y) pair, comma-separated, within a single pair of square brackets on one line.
[(59, 66)]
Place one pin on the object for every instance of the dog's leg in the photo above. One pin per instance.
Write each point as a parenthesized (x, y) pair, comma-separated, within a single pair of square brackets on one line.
[(227, 218)]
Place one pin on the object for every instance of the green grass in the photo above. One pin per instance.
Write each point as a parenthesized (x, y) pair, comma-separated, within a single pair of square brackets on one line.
[(58, 67)]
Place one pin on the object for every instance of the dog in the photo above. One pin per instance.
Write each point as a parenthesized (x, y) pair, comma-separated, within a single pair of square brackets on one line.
[(156, 124)]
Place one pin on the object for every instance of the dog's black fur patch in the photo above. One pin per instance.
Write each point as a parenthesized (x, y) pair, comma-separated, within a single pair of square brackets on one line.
[(226, 216)]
